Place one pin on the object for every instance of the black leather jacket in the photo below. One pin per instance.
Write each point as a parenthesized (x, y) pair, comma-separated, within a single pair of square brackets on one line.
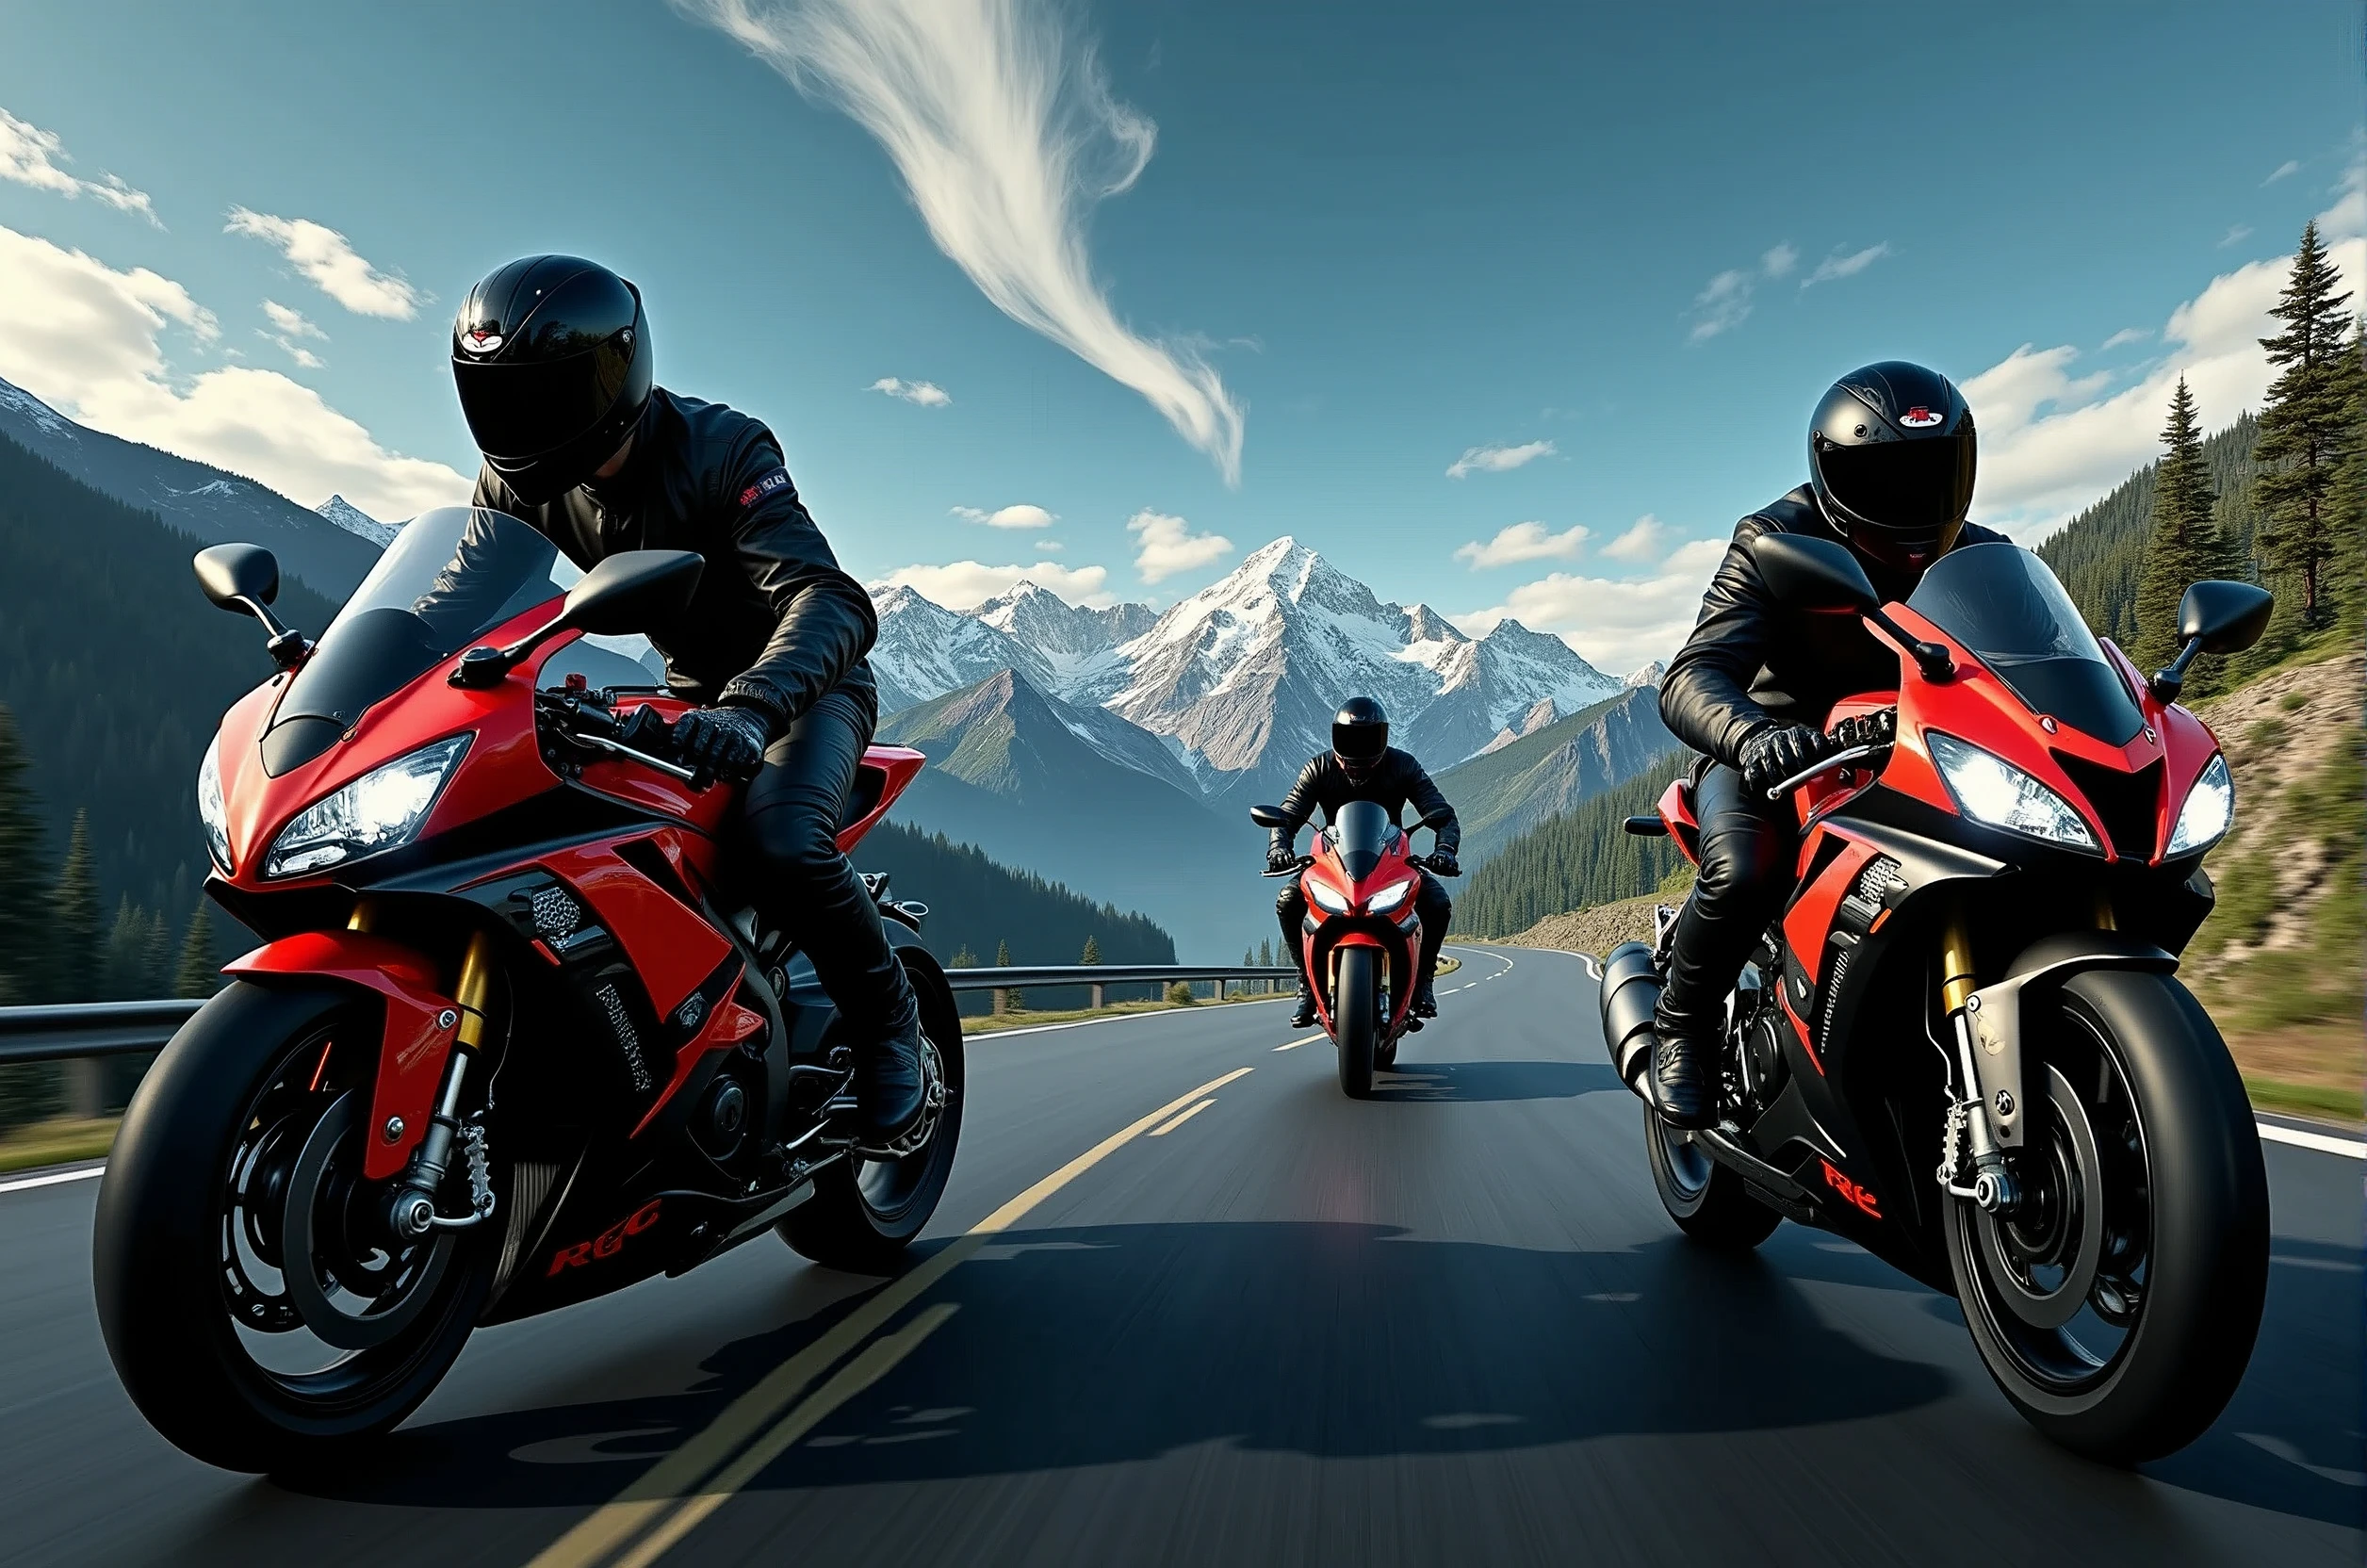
[(1748, 663), (774, 625), (1398, 782)]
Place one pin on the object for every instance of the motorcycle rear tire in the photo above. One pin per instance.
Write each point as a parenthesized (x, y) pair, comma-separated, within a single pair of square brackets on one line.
[(864, 1214), (158, 1276), (1705, 1199), (2207, 1263), (1356, 1015)]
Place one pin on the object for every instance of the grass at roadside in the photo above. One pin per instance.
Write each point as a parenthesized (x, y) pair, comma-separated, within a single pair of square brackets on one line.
[(61, 1140)]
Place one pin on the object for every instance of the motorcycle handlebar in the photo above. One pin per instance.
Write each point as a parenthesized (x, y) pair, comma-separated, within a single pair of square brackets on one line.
[(1837, 759)]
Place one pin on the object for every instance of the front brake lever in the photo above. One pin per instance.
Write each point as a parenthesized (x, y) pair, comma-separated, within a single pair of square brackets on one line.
[(1839, 759)]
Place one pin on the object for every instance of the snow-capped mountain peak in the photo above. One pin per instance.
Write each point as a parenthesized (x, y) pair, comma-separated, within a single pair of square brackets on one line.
[(356, 521)]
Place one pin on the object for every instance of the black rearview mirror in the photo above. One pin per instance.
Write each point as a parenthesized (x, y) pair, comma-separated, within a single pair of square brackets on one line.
[(2227, 617), (246, 577), (630, 591), (238, 577), (1268, 816), (1813, 575)]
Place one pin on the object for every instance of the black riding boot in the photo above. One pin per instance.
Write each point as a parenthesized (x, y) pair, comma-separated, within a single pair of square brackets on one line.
[(1683, 1075), (889, 1084), (1305, 1017)]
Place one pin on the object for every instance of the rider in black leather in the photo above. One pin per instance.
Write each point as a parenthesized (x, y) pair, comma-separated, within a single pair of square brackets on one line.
[(552, 360), (1363, 766), (1891, 455)]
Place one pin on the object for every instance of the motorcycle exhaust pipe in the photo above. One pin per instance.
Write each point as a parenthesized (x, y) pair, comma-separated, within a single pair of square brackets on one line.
[(1631, 989)]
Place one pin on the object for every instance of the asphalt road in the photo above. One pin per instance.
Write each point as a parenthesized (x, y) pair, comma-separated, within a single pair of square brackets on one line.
[(1448, 1326)]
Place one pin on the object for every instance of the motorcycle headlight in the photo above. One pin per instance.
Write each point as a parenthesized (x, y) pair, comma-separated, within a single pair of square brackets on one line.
[(1992, 791), (380, 810), (1390, 896), (1327, 897), (210, 809), (2209, 809)]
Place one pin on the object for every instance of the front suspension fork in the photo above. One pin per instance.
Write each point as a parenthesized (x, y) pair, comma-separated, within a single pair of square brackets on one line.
[(1992, 1186), (411, 1212)]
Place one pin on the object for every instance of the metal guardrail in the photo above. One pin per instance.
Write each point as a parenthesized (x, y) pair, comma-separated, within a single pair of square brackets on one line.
[(78, 1030)]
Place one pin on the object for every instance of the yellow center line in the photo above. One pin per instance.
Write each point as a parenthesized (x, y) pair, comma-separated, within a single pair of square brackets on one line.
[(676, 1474), (1163, 1131)]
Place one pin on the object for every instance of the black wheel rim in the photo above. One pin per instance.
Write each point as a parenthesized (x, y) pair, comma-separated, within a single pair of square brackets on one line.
[(270, 1194), (2061, 1285), (1688, 1169), (890, 1182)]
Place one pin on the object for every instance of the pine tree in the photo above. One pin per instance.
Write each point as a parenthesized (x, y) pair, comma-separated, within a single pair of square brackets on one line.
[(2349, 563), (76, 955), (964, 959), (1265, 953), (29, 1090), (2184, 546), (120, 970), (1092, 954), (2306, 427), (198, 973), (1011, 999)]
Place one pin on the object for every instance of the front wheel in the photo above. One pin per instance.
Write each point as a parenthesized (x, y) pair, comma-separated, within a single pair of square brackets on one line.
[(254, 1304), (1356, 1019), (2117, 1306), (866, 1209)]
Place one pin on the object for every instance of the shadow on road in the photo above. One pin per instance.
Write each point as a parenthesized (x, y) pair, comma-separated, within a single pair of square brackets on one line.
[(1088, 1345), (1416, 1080)]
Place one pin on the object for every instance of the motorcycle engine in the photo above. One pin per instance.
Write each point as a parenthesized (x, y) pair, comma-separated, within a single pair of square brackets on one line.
[(1757, 1042)]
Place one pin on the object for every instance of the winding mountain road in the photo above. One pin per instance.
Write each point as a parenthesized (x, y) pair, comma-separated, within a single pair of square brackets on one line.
[(1186, 1304)]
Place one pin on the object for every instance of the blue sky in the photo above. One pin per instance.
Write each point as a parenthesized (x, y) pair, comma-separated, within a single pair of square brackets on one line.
[(1462, 280)]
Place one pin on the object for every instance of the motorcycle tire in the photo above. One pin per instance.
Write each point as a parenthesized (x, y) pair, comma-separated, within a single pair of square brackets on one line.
[(1356, 1019), (1707, 1199), (865, 1212), (184, 1241), (2139, 1120)]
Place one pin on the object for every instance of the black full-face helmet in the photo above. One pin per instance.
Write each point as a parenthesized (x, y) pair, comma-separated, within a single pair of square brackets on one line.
[(552, 357), (1360, 736), (1891, 452)]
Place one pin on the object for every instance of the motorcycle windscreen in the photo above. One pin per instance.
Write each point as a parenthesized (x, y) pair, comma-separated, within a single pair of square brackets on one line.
[(1361, 831), (451, 574), (2006, 607)]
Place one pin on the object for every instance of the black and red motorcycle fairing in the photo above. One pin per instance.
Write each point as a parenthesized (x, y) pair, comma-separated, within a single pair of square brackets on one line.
[(1361, 942), (516, 1036), (1961, 1045)]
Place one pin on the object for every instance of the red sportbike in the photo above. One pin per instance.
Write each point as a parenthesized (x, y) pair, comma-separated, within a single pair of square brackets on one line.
[(1962, 1045), (1362, 941), (516, 1038)]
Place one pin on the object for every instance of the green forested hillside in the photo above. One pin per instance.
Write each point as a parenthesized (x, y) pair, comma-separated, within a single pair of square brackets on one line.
[(1577, 860), (117, 669), (2099, 552)]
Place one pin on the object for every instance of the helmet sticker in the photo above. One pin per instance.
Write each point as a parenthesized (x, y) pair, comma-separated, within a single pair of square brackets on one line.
[(483, 339), (1918, 418)]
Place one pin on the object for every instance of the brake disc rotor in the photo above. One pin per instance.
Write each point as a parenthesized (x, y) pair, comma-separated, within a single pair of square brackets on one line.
[(320, 1238), (2061, 1225)]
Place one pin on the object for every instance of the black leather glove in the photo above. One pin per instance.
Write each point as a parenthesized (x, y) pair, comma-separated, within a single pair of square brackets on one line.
[(1280, 857), (727, 742), (1878, 728), (1776, 752), (1442, 863)]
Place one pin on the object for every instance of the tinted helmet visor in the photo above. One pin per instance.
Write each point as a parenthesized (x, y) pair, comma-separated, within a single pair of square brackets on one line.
[(517, 411), (1908, 487)]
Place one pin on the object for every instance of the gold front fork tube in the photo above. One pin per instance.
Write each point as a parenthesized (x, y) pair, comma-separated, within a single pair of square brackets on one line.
[(475, 990), (1956, 963)]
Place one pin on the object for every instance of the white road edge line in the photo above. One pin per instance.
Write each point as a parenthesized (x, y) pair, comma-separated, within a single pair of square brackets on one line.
[(53, 1178), (2348, 1148)]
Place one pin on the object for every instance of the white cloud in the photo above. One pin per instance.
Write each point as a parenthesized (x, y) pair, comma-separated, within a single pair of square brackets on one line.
[(1524, 541), (329, 263), (1778, 263), (2052, 442), (1643, 539), (926, 393), (1616, 625), (1166, 544), (1838, 266), (966, 584), (2127, 334), (1021, 516), (289, 325), (88, 339), (1006, 135), (1496, 459), (2235, 232), (1723, 305), (2290, 166), (30, 156)]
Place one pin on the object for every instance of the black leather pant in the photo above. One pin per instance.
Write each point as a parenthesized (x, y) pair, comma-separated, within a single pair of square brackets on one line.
[(1749, 848), (788, 827), (1429, 901)]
